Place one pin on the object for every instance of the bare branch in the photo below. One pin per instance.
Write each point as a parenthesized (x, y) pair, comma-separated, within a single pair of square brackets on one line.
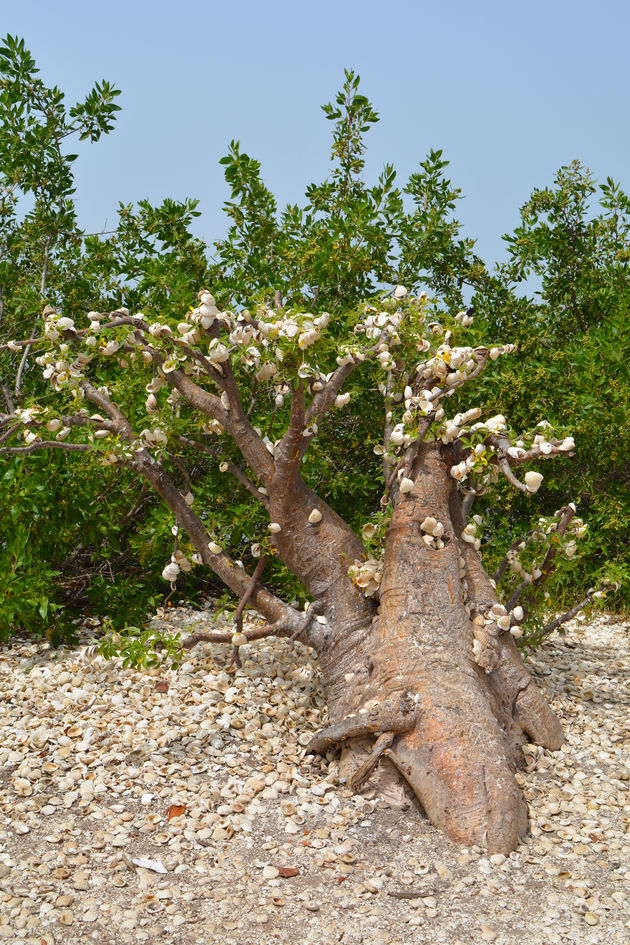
[(504, 466), (467, 504), (324, 399), (505, 561), (101, 399), (396, 715), (234, 420), (238, 613), (230, 573), (235, 470), (292, 626), (49, 444), (8, 398), (362, 773), (177, 462), (293, 445), (42, 292), (548, 567), (563, 618)]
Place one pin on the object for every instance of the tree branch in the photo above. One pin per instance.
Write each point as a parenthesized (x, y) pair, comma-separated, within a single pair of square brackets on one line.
[(42, 292), (49, 444), (292, 626), (505, 561), (554, 624), (236, 471), (238, 613), (292, 447), (566, 514)]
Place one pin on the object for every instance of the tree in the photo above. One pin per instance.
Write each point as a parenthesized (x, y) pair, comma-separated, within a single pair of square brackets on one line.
[(69, 541), (413, 642), (572, 337), (418, 655)]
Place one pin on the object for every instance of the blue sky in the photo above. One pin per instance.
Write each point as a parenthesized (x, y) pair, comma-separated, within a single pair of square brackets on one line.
[(510, 91)]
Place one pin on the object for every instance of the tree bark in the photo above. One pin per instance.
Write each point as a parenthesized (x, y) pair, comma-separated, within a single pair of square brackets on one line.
[(460, 752), (406, 696)]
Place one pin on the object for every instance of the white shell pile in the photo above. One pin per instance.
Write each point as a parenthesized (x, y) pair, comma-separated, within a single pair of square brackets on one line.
[(178, 807)]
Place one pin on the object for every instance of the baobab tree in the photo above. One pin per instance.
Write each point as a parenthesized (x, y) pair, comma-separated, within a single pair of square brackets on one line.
[(423, 677)]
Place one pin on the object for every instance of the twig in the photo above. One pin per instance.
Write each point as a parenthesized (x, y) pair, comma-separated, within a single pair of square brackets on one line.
[(548, 566), (503, 565), (236, 471), (399, 716), (6, 390), (42, 292), (384, 741), (554, 624), (467, 504), (48, 444), (292, 626), (238, 613)]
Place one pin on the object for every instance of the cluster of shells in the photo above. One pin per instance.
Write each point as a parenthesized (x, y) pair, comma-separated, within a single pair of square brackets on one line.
[(141, 806), (488, 627), (367, 575), (433, 532)]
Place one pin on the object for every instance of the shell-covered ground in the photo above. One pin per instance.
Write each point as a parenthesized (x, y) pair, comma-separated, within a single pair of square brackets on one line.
[(202, 772)]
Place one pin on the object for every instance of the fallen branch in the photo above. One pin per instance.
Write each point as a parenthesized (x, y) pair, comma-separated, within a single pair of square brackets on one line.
[(384, 741)]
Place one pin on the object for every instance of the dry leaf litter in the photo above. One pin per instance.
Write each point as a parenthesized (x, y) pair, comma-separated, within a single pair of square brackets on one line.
[(180, 807)]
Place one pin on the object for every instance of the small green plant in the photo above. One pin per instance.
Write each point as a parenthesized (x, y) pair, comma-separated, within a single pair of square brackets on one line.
[(140, 648)]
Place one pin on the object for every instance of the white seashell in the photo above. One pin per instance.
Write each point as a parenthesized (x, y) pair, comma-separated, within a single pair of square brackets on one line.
[(368, 531), (400, 292), (214, 548), (397, 435), (315, 517), (342, 400), (406, 485), (274, 528), (239, 639), (518, 614), (170, 572), (533, 481), (428, 525)]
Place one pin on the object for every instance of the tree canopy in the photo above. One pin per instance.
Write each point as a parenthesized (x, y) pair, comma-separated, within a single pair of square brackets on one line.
[(348, 242)]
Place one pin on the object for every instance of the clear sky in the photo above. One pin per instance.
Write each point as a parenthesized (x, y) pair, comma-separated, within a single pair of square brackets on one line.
[(509, 90)]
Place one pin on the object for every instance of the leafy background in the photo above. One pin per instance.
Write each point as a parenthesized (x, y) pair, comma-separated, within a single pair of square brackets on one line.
[(77, 541)]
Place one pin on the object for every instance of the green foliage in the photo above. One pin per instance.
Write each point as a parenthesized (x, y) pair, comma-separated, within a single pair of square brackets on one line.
[(95, 542), (141, 648), (572, 364)]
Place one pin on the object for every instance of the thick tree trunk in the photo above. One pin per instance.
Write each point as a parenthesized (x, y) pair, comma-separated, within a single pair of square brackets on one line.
[(456, 731), (406, 696)]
